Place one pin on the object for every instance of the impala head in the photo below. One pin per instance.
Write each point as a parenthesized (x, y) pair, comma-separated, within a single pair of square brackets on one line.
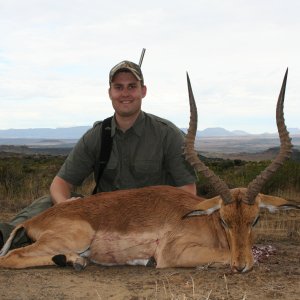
[(239, 208)]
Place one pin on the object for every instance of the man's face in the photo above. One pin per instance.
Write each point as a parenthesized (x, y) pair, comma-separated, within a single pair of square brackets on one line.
[(126, 94)]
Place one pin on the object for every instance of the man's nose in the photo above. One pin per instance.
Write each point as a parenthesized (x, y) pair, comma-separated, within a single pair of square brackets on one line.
[(125, 92)]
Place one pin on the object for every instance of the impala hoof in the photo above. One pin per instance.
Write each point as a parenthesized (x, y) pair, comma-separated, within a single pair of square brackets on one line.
[(80, 263), (151, 262)]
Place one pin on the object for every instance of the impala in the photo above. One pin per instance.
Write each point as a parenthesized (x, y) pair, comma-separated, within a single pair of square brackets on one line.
[(174, 227)]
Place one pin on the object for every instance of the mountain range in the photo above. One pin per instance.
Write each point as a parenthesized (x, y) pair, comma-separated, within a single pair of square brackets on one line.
[(78, 131)]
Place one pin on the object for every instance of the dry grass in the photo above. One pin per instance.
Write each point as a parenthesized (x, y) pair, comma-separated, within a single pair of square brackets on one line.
[(289, 193), (279, 225), (165, 289)]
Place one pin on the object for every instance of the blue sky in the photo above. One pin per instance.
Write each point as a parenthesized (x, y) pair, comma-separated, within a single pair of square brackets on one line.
[(55, 57)]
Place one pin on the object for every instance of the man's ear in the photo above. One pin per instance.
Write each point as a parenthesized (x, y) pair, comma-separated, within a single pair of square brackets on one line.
[(109, 92), (144, 91)]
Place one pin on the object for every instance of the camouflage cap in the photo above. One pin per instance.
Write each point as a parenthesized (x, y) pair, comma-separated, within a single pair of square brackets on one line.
[(129, 66)]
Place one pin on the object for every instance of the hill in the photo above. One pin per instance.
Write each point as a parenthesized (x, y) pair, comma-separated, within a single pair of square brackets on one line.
[(268, 154), (45, 133), (78, 131)]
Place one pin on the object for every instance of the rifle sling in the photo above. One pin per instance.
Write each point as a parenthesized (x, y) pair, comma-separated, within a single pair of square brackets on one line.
[(106, 146)]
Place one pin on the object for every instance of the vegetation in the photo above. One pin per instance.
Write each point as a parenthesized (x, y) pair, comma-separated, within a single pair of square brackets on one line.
[(24, 178), (237, 173)]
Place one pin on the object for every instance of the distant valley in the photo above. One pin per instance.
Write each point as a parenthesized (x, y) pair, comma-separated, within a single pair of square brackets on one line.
[(44, 133), (211, 142), (78, 131)]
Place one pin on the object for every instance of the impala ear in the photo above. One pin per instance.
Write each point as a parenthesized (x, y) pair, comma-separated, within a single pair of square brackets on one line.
[(273, 203), (205, 207)]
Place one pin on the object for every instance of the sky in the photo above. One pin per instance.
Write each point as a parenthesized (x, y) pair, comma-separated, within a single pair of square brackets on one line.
[(55, 56)]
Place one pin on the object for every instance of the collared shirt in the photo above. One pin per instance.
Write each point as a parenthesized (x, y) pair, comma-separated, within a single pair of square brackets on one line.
[(148, 153)]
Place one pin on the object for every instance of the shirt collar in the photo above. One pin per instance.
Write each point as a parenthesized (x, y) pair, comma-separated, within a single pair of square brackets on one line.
[(137, 127)]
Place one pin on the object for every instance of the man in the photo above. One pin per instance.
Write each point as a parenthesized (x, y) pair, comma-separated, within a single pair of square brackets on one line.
[(146, 150)]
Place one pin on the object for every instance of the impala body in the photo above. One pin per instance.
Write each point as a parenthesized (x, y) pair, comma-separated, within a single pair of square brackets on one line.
[(174, 227)]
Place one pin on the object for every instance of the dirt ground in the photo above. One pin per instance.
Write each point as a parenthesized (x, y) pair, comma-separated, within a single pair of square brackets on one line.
[(277, 276)]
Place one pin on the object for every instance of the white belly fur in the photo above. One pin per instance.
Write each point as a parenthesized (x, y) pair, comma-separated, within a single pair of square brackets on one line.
[(111, 248)]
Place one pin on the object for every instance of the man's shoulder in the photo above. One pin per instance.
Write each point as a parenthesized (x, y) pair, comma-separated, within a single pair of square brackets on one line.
[(164, 125), (96, 128), (161, 121), (98, 124), (93, 131)]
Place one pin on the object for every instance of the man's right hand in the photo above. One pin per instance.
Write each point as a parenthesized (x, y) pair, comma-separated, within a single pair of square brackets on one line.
[(73, 198), (60, 190)]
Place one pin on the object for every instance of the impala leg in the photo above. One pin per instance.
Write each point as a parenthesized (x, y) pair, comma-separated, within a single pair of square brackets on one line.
[(42, 252), (26, 257)]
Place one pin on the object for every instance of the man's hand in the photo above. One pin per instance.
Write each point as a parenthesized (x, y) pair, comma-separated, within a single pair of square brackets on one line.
[(73, 198), (191, 188), (60, 190)]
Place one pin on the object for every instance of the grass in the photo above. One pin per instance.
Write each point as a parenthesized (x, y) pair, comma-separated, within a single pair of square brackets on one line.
[(278, 225), (236, 173), (164, 289), (24, 178)]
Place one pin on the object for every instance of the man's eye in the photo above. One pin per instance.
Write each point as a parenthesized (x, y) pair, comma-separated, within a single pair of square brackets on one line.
[(132, 86)]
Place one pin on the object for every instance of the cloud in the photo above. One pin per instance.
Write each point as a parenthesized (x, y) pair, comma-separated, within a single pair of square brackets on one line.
[(55, 57)]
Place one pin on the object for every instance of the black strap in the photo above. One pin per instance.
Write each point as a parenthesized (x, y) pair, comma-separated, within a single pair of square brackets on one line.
[(106, 146)]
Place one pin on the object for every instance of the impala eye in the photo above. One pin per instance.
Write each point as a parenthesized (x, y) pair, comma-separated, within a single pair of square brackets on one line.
[(224, 224), (255, 221)]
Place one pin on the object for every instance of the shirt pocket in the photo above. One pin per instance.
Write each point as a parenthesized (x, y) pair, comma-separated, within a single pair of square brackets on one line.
[(147, 172), (144, 167), (110, 171)]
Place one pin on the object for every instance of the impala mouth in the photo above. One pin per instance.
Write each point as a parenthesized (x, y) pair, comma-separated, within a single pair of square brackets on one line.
[(241, 270)]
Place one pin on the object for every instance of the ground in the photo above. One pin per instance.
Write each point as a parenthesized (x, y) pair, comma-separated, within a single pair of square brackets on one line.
[(277, 276)]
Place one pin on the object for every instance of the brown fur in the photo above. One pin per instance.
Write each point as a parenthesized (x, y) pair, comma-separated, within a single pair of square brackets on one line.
[(122, 226)]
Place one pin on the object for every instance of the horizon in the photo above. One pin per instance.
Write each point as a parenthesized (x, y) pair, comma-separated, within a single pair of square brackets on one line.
[(292, 130), (54, 64)]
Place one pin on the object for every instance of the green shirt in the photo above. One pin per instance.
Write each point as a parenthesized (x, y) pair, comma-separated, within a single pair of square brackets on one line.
[(149, 153)]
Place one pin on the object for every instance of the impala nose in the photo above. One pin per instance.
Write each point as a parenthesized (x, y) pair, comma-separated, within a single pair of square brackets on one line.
[(239, 269)]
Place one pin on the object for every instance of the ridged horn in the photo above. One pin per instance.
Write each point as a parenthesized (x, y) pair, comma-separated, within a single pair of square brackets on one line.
[(285, 151), (192, 157)]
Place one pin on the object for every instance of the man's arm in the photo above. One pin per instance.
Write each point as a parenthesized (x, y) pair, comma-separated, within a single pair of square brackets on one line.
[(190, 188), (60, 190)]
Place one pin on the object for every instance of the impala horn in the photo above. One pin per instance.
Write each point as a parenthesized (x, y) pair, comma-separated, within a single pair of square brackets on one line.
[(285, 151), (192, 157)]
